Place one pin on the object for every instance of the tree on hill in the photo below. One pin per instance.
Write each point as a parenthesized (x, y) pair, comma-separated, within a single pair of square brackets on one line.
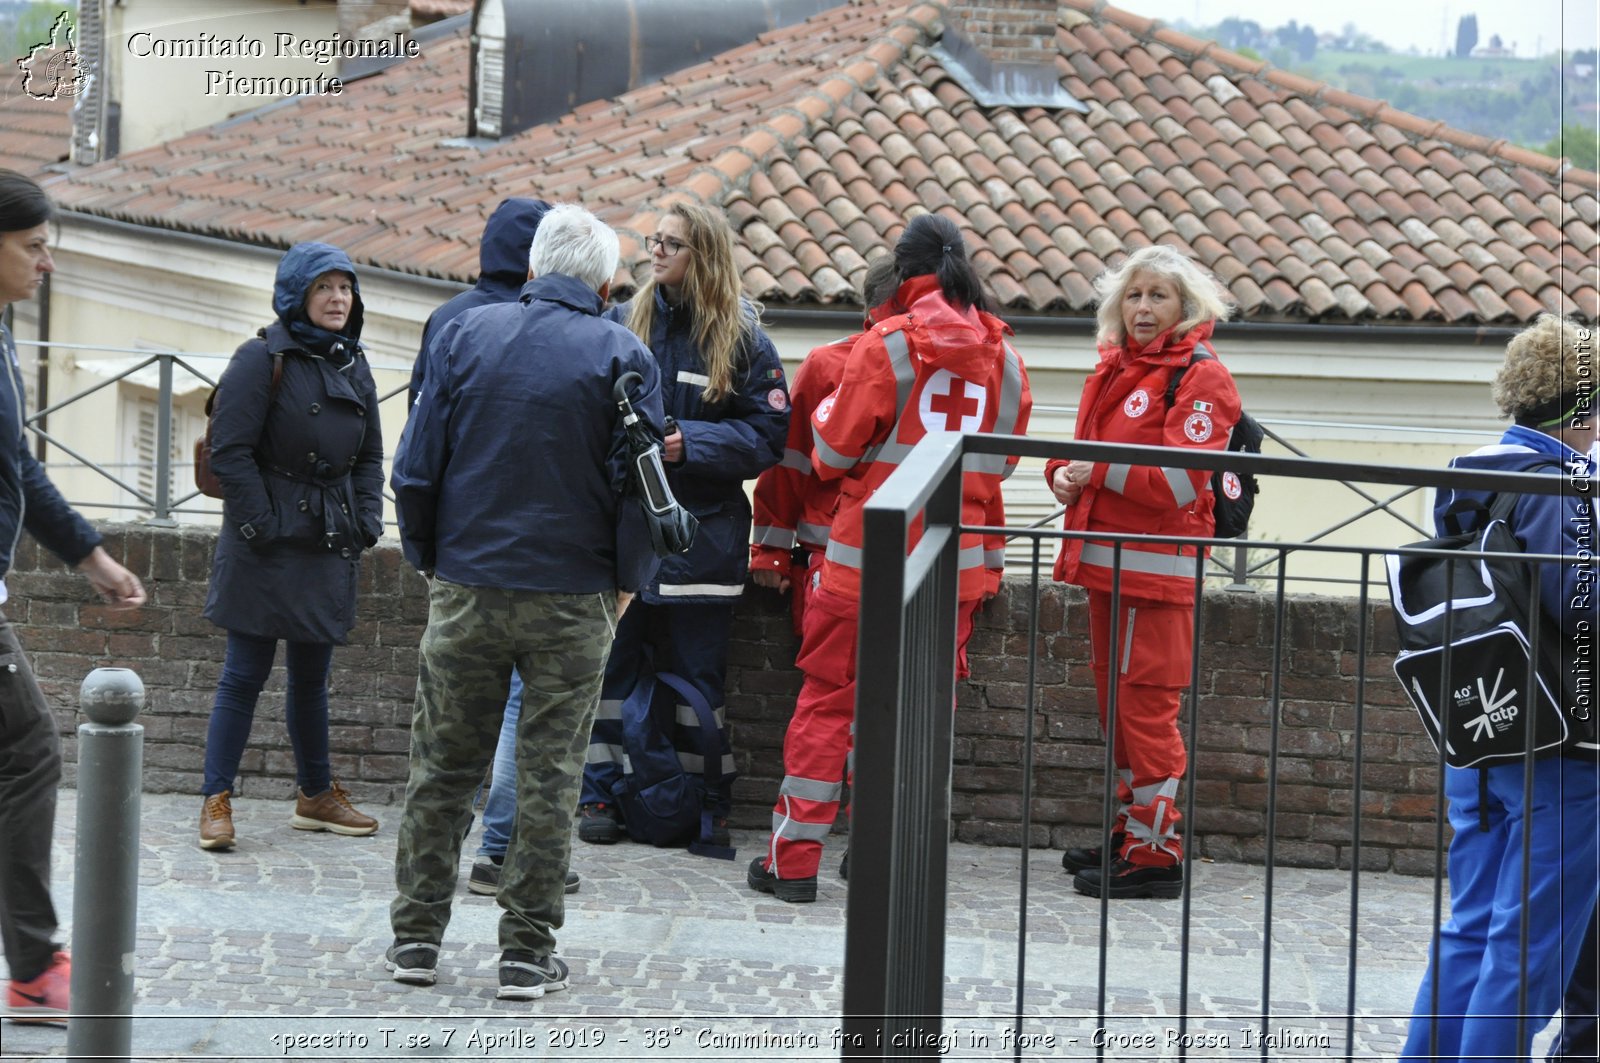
[(1466, 35), (1577, 143)]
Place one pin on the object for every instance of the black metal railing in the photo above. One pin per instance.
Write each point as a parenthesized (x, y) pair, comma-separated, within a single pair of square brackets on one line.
[(895, 982)]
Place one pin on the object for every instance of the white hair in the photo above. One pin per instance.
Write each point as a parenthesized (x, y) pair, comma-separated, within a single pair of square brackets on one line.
[(1203, 298), (570, 240)]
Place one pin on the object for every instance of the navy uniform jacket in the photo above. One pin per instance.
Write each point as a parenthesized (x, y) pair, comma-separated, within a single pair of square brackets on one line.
[(510, 471), (27, 498), (724, 445)]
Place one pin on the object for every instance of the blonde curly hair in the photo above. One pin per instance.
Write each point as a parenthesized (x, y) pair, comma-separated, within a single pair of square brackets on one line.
[(1548, 375), (1203, 297)]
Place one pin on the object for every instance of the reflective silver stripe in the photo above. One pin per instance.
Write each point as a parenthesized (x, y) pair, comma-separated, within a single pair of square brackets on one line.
[(840, 554), (600, 753), (768, 535), (832, 458), (683, 590), (1182, 486), (987, 464), (811, 789), (812, 534), (905, 374), (610, 709), (970, 557), (1117, 477), (1144, 795), (699, 379), (794, 830), (1005, 420), (687, 717), (891, 452), (1127, 642), (994, 558), (795, 459), (695, 764), (1139, 561)]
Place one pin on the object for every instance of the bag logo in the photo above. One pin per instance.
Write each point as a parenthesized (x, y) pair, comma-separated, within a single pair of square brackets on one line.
[(1197, 427), (951, 404), (1231, 485), (1137, 403)]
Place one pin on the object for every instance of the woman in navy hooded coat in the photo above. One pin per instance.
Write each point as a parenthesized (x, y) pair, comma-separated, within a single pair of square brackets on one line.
[(296, 444)]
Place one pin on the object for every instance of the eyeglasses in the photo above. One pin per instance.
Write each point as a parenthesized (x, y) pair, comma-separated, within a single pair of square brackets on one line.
[(664, 244)]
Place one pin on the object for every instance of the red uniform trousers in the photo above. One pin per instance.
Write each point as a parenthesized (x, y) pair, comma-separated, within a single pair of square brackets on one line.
[(819, 748), (1155, 651)]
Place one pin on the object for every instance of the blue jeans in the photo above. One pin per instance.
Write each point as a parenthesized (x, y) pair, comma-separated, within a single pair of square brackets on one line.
[(1479, 970), (500, 807), (305, 708)]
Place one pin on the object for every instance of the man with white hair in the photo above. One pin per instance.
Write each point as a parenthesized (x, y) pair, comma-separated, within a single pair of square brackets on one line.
[(508, 484)]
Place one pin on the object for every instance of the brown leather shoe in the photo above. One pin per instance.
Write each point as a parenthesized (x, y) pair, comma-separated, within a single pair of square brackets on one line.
[(216, 822), (331, 810)]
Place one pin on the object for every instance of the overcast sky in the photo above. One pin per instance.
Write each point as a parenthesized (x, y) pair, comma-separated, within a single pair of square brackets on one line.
[(1536, 26)]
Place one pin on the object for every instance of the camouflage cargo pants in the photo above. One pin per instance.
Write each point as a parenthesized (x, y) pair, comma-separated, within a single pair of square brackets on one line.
[(475, 635)]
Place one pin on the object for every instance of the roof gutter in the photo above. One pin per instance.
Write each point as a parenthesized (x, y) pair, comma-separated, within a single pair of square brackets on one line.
[(446, 288), (1036, 325)]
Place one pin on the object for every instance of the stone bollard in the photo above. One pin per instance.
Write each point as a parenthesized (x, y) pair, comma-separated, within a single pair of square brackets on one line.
[(106, 876)]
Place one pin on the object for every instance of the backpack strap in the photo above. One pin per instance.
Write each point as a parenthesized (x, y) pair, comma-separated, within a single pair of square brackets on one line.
[(1202, 353), (711, 755)]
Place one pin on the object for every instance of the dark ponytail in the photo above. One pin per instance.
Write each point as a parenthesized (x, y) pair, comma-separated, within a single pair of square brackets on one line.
[(932, 244), (23, 204)]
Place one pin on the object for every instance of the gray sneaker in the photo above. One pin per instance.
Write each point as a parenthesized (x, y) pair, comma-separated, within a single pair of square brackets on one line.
[(485, 877), (412, 962), (524, 976)]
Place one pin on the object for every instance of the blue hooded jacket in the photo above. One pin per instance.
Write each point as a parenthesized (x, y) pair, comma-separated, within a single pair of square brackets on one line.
[(510, 471), (300, 265), (1544, 524), (502, 271)]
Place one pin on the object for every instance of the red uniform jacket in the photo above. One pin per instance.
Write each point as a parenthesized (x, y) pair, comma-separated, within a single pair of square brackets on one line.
[(1125, 401), (791, 504), (933, 369)]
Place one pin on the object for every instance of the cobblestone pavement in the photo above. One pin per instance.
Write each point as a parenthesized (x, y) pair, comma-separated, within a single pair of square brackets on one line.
[(275, 949)]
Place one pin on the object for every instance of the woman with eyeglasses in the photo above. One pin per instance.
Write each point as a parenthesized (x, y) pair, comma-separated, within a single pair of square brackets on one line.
[(727, 418)]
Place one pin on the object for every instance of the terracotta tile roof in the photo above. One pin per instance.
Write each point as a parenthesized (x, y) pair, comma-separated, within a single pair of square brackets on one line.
[(1309, 202), (34, 134), (430, 10)]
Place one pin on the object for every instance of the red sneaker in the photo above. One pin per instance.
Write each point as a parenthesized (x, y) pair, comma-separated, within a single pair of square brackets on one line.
[(44, 999)]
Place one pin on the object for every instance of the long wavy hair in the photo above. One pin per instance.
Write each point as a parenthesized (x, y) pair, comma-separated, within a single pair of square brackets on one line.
[(1203, 297), (722, 320)]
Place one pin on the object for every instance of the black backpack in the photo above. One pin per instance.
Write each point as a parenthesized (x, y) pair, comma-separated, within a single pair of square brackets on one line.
[(1233, 494), (1468, 645), (661, 804)]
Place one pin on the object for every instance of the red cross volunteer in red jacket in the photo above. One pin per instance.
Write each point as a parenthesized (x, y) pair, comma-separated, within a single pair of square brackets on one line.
[(1156, 309), (793, 506), (942, 366)]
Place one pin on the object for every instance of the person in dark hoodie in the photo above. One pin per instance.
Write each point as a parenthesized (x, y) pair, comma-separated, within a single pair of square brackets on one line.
[(502, 271), (1469, 1004), (296, 444)]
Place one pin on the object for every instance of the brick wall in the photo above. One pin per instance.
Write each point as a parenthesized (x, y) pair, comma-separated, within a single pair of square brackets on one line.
[(178, 654)]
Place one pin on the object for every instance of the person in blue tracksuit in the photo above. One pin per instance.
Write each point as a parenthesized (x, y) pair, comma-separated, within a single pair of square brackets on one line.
[(723, 386), (1547, 387)]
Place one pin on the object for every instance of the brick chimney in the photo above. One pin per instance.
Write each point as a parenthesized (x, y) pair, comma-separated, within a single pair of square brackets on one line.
[(1005, 52)]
